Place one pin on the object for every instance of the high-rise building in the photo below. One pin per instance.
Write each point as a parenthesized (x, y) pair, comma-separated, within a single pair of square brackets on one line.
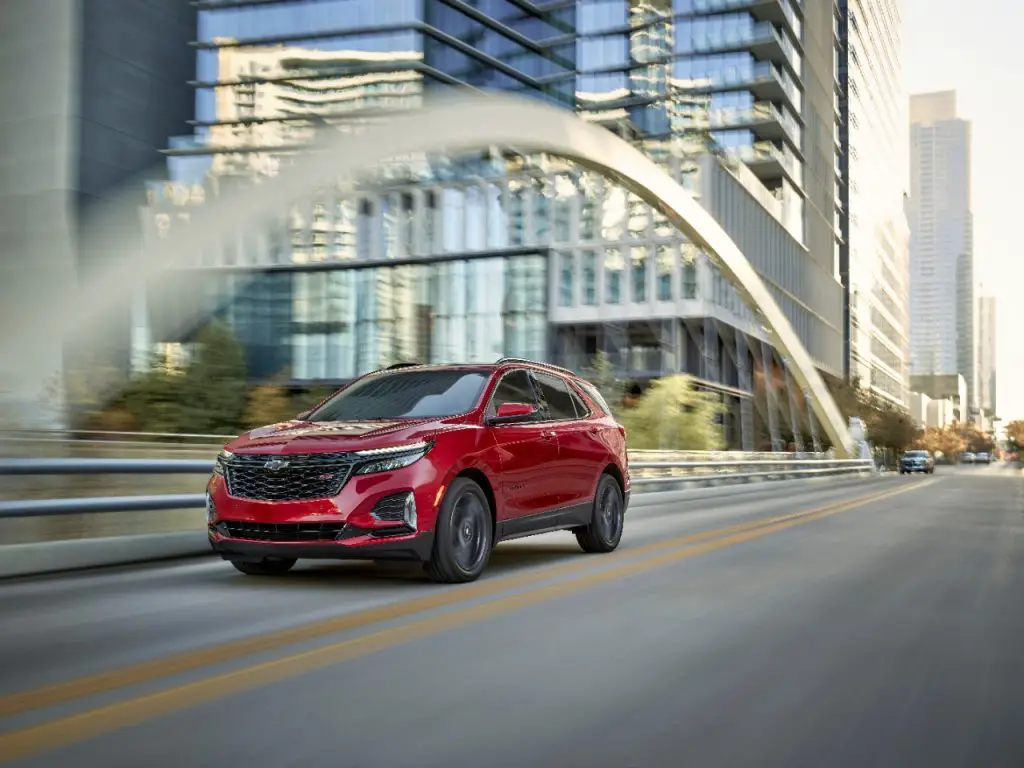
[(500, 253), (91, 91), (874, 254), (752, 83), (943, 327), (987, 334)]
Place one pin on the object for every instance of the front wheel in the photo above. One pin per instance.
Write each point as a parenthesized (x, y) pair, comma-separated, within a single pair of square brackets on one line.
[(463, 536), (264, 567), (605, 530)]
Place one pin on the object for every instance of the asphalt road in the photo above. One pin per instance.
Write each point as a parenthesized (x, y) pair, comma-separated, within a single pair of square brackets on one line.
[(875, 623)]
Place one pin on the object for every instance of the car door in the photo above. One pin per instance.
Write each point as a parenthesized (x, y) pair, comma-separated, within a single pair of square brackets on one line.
[(528, 452), (581, 454)]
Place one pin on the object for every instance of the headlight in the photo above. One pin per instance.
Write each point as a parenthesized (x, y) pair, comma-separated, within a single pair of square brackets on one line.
[(222, 458), (391, 458)]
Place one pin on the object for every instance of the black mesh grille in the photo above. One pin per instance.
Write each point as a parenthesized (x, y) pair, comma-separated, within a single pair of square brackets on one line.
[(263, 477), (282, 531), (391, 508)]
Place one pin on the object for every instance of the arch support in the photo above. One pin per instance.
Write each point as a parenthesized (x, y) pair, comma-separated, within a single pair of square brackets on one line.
[(466, 122)]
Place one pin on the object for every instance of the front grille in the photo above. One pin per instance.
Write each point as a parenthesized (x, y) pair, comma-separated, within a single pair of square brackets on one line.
[(297, 477), (282, 531)]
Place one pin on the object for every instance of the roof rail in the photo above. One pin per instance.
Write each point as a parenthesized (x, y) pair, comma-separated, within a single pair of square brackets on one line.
[(536, 363), (393, 366)]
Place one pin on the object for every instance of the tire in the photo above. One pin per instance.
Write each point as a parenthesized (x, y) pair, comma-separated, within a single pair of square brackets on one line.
[(605, 530), (264, 567), (463, 535)]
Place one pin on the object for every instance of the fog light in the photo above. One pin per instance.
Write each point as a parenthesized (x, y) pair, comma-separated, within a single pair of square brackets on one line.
[(211, 510), (409, 511)]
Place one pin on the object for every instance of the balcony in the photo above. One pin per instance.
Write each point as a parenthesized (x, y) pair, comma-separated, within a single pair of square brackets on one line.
[(768, 44), (770, 83), (761, 38), (764, 119), (769, 161), (776, 11)]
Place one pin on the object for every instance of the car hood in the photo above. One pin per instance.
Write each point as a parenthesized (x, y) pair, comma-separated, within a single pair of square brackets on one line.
[(330, 436)]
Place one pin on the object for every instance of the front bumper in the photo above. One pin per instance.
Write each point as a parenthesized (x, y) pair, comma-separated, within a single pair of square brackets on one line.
[(416, 547), (908, 468), (349, 526)]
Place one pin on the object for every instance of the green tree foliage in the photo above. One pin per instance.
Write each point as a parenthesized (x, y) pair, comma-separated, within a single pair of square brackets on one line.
[(268, 404), (214, 386), (888, 425), (601, 373), (154, 401), (673, 415), (1015, 434)]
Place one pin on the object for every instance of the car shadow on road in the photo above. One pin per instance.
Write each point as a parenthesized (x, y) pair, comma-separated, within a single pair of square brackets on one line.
[(506, 559)]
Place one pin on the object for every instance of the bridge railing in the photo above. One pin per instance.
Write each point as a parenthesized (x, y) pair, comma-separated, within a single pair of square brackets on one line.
[(649, 471), (41, 534)]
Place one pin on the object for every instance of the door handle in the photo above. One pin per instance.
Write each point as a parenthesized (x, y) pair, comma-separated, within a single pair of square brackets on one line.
[(548, 435)]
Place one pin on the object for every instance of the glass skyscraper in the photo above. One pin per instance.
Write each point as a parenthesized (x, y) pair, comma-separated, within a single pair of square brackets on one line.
[(943, 309), (876, 162)]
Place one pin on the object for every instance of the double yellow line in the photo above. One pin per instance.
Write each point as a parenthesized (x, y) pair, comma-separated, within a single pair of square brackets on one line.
[(66, 730)]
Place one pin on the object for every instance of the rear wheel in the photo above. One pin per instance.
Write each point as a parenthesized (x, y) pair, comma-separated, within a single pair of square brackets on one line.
[(264, 567), (463, 536), (605, 530)]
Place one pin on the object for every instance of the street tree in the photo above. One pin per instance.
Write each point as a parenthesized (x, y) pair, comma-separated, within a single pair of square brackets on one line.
[(673, 415), (214, 385), (267, 404), (1015, 433), (601, 373)]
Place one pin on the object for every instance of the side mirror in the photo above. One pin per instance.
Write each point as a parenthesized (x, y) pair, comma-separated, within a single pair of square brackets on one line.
[(513, 413), (303, 416)]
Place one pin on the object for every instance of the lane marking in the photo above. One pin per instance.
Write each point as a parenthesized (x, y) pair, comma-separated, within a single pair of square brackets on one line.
[(67, 730), (232, 650)]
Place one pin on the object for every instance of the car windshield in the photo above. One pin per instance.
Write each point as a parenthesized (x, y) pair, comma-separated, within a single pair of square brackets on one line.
[(405, 395), (916, 454)]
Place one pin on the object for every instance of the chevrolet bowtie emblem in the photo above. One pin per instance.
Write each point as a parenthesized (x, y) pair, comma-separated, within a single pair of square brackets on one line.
[(275, 464)]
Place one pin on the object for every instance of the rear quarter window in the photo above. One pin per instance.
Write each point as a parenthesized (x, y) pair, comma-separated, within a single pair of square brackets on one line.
[(594, 395)]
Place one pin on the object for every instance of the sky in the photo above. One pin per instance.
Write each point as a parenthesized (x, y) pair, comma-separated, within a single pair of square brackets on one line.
[(974, 47)]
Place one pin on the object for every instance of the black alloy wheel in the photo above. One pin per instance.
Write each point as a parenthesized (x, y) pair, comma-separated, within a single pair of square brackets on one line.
[(463, 536), (605, 530)]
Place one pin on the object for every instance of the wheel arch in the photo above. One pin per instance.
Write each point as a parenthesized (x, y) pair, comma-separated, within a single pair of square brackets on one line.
[(478, 476), (612, 469)]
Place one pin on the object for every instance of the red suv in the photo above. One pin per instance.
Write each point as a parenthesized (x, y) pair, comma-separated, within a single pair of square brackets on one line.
[(425, 463)]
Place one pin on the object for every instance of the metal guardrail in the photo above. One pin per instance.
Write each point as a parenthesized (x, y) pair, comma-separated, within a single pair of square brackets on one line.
[(663, 475)]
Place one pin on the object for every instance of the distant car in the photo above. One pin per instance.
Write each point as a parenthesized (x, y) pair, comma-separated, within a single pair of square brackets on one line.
[(983, 458), (917, 461), (967, 458), (432, 464)]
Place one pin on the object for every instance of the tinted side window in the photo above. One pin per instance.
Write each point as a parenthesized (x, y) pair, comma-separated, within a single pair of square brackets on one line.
[(555, 393), (514, 387)]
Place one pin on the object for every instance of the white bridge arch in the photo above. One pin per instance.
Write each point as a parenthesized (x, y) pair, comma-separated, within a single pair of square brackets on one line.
[(467, 122)]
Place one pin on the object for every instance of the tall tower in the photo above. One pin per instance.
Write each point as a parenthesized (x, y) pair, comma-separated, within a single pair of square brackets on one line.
[(943, 308), (874, 255)]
